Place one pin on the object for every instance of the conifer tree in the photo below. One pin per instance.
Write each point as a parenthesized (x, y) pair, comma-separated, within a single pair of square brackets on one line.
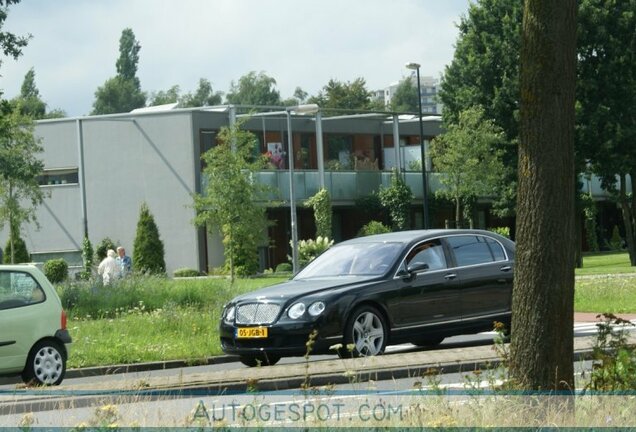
[(148, 251)]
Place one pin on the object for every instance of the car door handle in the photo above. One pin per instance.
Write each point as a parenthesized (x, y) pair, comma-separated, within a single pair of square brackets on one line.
[(505, 268), (450, 276)]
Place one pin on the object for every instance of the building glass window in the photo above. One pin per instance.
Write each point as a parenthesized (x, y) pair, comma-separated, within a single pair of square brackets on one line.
[(59, 177)]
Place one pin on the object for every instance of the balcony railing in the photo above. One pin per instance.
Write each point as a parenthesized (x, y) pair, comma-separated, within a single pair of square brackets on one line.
[(347, 186)]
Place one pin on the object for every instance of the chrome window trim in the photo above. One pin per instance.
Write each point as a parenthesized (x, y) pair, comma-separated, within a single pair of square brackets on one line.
[(507, 258)]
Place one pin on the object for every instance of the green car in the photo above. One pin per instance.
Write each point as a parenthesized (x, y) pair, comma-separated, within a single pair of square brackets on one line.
[(34, 340)]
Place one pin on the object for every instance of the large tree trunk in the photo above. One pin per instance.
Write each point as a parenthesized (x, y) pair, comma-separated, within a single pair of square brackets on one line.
[(543, 296)]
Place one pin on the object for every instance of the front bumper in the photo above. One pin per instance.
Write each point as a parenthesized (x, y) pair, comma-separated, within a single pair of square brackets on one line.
[(284, 339)]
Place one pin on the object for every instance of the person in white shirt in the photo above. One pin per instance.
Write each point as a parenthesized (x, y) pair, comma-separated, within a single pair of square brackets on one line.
[(109, 268)]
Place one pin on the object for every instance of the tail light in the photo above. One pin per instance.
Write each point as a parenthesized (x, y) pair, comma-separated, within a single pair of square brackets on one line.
[(63, 320)]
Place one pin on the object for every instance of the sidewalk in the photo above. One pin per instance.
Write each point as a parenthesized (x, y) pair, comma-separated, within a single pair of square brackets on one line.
[(580, 317)]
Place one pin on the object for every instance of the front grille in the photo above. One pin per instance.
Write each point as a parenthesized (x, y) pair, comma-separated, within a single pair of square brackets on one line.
[(257, 313)]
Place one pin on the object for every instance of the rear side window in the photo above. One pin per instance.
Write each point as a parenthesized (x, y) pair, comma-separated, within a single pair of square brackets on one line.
[(19, 289), (496, 249), (470, 250)]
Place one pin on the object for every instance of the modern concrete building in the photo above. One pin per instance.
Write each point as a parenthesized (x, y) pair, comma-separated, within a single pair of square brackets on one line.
[(100, 169)]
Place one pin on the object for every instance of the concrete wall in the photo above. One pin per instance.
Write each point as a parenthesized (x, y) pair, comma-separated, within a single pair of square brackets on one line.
[(127, 160)]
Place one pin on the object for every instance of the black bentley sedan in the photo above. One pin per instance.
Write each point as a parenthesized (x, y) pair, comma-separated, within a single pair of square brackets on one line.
[(374, 291)]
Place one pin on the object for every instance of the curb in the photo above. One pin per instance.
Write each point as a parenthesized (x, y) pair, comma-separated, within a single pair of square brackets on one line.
[(149, 366)]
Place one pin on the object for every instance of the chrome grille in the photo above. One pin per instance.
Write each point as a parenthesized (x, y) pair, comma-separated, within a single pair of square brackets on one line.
[(257, 313)]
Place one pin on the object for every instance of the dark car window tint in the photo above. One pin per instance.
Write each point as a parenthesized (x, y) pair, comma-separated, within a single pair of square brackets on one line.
[(470, 250), (354, 259), (496, 250), (430, 253), (19, 289)]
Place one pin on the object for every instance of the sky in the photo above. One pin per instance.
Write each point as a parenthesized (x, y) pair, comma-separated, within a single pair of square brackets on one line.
[(300, 43)]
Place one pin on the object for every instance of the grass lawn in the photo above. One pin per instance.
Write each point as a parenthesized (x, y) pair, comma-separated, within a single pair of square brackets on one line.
[(605, 263)]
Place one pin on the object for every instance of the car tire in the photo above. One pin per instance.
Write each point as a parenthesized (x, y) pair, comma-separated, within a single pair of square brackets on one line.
[(429, 342), (367, 331), (46, 364), (259, 360)]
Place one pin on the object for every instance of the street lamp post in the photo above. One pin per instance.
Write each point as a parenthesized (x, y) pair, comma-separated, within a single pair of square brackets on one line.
[(425, 221), (300, 109)]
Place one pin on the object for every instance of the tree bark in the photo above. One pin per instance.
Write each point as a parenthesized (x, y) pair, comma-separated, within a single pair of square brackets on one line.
[(543, 295)]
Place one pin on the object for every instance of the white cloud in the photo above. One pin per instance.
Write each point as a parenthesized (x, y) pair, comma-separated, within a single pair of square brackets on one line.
[(299, 43)]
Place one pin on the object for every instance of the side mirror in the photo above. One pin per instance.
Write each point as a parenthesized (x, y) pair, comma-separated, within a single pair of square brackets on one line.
[(417, 267)]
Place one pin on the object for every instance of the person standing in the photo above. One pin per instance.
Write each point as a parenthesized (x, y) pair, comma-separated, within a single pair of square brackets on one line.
[(108, 268), (124, 262)]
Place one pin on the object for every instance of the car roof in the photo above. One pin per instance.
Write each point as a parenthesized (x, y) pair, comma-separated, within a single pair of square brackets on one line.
[(414, 235)]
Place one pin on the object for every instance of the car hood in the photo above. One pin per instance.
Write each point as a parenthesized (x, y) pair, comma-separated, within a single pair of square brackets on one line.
[(292, 289)]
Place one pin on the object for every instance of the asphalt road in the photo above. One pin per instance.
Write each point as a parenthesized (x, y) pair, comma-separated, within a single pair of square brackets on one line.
[(481, 339)]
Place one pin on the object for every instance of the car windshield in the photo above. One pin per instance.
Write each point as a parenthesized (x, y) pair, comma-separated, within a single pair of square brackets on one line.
[(357, 259)]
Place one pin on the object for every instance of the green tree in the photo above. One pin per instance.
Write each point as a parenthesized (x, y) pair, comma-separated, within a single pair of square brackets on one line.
[(485, 72), (543, 294), (606, 91), (397, 200), (470, 157), (321, 204), (405, 96), (254, 89), (204, 95), (122, 93), (102, 248), (20, 192), (10, 44), (148, 251), (163, 97), (29, 102), (87, 258), (15, 250), (348, 95), (231, 199)]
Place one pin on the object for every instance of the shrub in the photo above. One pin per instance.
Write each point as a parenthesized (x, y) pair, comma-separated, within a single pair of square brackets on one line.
[(397, 200), (148, 252), (321, 204), (56, 270), (21, 254), (504, 231), (308, 250), (186, 272), (102, 248), (283, 268), (373, 227), (616, 242)]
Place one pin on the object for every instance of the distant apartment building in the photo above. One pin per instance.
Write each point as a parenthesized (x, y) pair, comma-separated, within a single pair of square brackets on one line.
[(429, 87)]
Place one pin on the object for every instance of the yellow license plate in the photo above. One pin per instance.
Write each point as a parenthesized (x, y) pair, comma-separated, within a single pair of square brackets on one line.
[(251, 332)]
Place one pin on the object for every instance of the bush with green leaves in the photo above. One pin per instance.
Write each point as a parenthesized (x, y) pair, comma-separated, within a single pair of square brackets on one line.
[(616, 242), (148, 251), (102, 248), (308, 250), (56, 270), (373, 227), (283, 268), (87, 259), (321, 204), (397, 200), (504, 231), (186, 272), (21, 254)]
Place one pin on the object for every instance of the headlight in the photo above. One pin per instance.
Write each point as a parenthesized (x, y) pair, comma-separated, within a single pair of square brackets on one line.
[(316, 308), (296, 311), (229, 315)]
